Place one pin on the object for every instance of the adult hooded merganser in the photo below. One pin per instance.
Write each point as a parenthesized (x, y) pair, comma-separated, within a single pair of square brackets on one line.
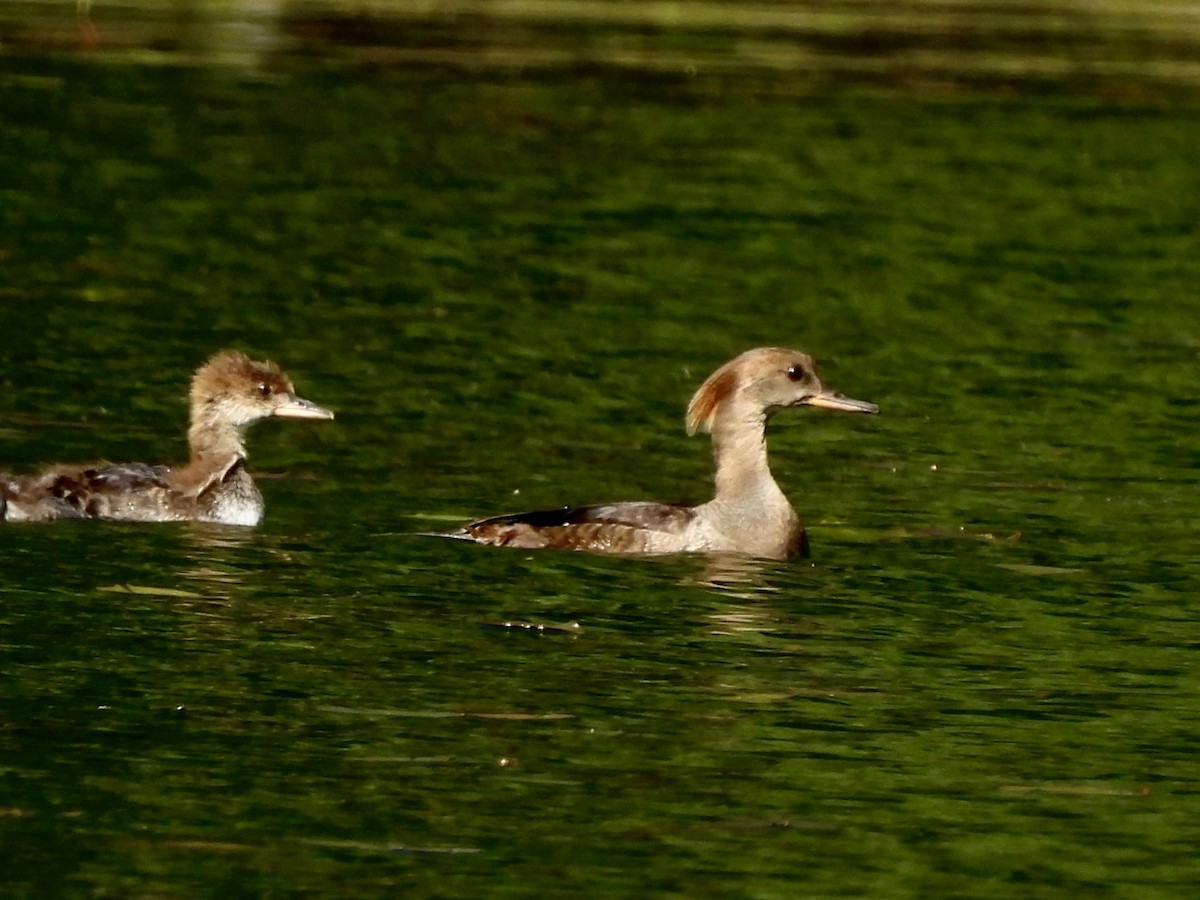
[(229, 393), (749, 514)]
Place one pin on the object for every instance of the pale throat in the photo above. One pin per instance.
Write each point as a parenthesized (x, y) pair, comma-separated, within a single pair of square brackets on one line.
[(740, 451), (211, 435)]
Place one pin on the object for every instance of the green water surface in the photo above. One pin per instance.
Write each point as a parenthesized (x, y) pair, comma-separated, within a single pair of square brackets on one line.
[(507, 283)]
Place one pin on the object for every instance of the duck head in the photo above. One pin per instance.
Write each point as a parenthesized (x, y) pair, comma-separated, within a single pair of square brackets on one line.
[(759, 382)]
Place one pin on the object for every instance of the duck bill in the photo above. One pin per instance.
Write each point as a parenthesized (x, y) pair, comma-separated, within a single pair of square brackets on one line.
[(834, 400), (299, 408)]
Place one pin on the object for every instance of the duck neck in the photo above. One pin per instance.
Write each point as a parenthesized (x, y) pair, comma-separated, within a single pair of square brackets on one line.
[(743, 479), (214, 440), (216, 446)]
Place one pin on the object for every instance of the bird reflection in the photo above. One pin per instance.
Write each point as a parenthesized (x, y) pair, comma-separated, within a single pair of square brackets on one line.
[(210, 549), (743, 577)]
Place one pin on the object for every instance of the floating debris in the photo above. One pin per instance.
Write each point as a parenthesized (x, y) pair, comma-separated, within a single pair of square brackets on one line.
[(1030, 569), (150, 591), (961, 533), (572, 628)]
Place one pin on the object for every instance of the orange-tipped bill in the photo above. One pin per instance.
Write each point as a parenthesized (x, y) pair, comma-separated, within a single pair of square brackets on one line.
[(834, 400), (299, 408)]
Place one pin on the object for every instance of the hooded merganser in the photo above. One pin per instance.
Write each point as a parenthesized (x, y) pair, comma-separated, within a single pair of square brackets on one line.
[(229, 393), (749, 513)]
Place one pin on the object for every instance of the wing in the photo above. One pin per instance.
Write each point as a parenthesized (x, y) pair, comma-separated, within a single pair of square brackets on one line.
[(97, 492), (608, 528)]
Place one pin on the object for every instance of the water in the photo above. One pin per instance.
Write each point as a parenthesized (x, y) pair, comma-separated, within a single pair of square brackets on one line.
[(507, 284)]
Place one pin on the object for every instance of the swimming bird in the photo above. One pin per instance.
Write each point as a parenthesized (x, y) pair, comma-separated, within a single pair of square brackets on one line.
[(229, 393), (748, 514)]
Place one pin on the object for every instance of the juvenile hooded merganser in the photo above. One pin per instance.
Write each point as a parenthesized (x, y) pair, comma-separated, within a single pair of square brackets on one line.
[(229, 393), (749, 514)]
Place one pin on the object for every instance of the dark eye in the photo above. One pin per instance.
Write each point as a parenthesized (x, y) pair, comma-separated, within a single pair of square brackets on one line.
[(796, 373), (264, 389)]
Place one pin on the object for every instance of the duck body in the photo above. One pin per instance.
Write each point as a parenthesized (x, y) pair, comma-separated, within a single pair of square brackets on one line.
[(645, 527), (639, 527), (229, 393), (136, 492), (749, 514)]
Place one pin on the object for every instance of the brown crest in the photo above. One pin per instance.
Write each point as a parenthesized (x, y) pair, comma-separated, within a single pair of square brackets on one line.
[(718, 388), (232, 372)]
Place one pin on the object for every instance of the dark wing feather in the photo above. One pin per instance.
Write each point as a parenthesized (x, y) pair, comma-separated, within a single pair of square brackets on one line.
[(648, 515), (91, 492), (614, 527), (126, 477)]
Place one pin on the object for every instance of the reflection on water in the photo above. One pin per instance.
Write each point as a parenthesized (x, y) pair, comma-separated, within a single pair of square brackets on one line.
[(246, 35), (928, 39), (737, 577), (209, 546)]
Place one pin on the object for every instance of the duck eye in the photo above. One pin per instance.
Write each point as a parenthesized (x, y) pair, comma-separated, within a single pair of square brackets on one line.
[(796, 373), (264, 389)]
